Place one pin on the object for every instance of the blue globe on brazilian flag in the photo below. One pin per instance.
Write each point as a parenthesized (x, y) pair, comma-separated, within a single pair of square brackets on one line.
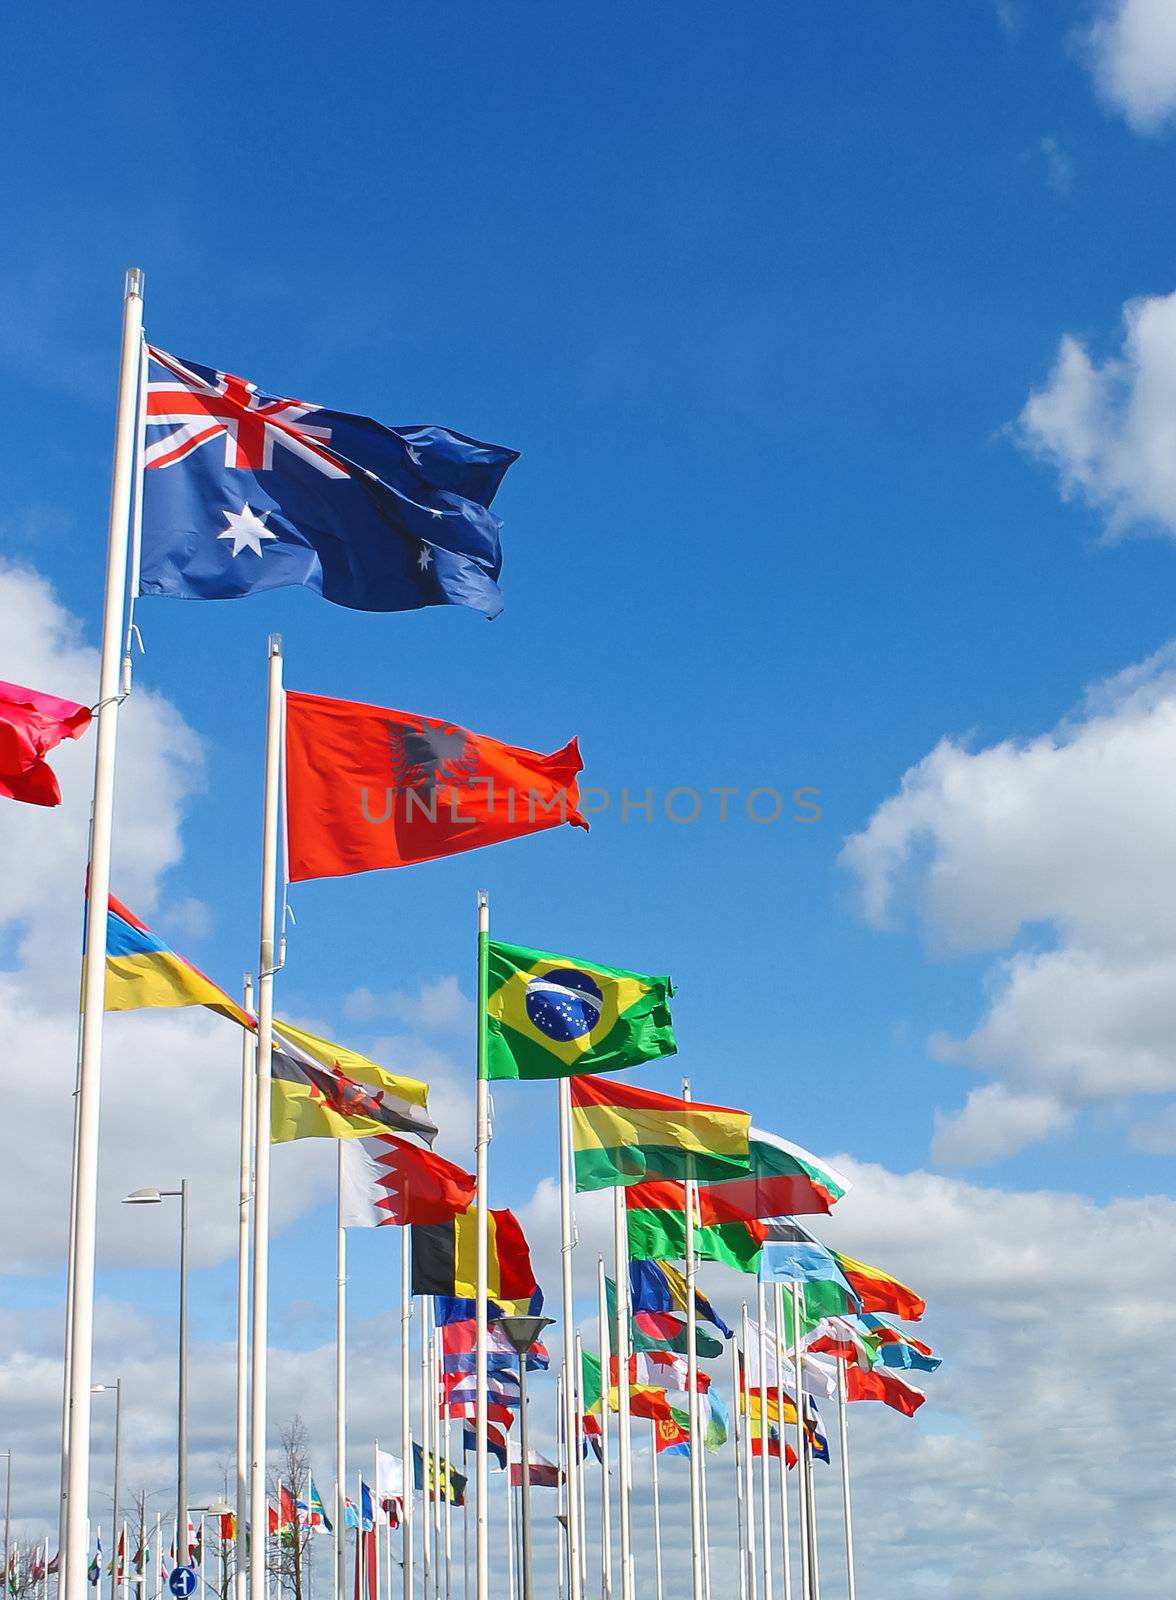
[(550, 1016)]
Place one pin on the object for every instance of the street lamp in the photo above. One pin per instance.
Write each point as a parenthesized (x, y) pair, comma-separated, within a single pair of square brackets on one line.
[(153, 1197), (522, 1333), (114, 1388)]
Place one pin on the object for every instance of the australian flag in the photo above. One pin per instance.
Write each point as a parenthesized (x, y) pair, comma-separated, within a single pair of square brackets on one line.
[(245, 491)]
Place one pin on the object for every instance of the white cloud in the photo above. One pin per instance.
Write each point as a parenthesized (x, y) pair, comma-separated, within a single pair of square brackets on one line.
[(1057, 165), (1109, 429), (1132, 50), (1067, 833), (438, 1007)]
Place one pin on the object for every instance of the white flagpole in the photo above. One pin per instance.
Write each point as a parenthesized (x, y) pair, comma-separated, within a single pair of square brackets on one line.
[(244, 1205), (575, 1525), (482, 1216), (605, 1492), (765, 1443), (405, 1413), (810, 1485), (580, 1475), (562, 1463), (435, 1469), (510, 1537), (89, 1081), (63, 1497), (705, 1507), (340, 1376), (376, 1563), (268, 964), (778, 1329), (740, 1445), (657, 1556), (749, 1482), (360, 1540), (448, 1501), (624, 1439), (690, 1194), (426, 1459), (843, 1438), (801, 1481)]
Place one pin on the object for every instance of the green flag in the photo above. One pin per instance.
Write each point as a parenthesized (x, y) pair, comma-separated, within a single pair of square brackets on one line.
[(550, 1016)]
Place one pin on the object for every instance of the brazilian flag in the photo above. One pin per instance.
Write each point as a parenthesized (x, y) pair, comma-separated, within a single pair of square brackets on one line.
[(551, 1016)]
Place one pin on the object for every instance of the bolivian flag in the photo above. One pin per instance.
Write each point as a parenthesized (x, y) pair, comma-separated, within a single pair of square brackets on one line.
[(143, 971), (445, 1258), (623, 1135), (551, 1016)]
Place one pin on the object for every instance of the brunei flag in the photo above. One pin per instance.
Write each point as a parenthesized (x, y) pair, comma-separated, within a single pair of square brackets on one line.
[(623, 1135), (142, 971), (445, 1258), (554, 1017), (320, 1090)]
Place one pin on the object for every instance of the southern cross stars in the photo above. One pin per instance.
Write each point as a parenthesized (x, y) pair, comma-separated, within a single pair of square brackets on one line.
[(424, 558), (246, 529)]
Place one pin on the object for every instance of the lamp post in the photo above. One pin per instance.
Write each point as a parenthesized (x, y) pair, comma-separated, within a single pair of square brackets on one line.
[(522, 1333), (153, 1197), (116, 1389), (217, 1509)]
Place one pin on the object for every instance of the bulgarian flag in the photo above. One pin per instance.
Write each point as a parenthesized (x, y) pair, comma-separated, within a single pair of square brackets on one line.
[(657, 1226), (784, 1180), (625, 1135)]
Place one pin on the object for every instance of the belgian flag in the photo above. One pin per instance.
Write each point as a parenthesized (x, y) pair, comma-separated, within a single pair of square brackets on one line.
[(445, 1259)]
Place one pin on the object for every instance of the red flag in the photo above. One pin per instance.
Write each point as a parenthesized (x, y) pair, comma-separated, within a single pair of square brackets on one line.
[(884, 1385), (31, 724), (368, 787)]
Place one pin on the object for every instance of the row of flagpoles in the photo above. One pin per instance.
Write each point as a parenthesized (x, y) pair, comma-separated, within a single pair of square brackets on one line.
[(538, 1016)]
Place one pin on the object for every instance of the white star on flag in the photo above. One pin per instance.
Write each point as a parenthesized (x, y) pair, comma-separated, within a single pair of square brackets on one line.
[(424, 558), (413, 455), (246, 529)]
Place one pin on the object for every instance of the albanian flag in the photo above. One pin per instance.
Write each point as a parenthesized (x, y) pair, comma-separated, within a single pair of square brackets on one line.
[(31, 723), (368, 787)]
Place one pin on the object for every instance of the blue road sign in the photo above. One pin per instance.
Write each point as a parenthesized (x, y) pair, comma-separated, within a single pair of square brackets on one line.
[(182, 1582)]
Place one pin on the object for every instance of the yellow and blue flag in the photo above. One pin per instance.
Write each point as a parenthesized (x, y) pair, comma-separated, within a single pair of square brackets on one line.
[(143, 971)]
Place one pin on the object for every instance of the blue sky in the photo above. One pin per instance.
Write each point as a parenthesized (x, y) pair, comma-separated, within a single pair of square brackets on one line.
[(759, 294)]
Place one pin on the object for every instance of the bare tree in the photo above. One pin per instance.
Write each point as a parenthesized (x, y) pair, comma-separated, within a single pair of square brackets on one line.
[(288, 1552)]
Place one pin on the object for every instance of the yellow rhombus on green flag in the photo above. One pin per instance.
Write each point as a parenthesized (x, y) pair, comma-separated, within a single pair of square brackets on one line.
[(550, 1016)]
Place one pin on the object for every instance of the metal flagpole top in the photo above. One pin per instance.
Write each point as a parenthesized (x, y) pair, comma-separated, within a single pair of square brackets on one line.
[(136, 278)]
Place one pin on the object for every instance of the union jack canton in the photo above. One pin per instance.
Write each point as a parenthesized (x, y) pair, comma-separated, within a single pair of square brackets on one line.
[(245, 491)]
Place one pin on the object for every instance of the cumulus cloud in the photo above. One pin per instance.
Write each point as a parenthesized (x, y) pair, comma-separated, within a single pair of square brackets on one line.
[(1109, 428), (1059, 845), (436, 1007), (1131, 46)]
